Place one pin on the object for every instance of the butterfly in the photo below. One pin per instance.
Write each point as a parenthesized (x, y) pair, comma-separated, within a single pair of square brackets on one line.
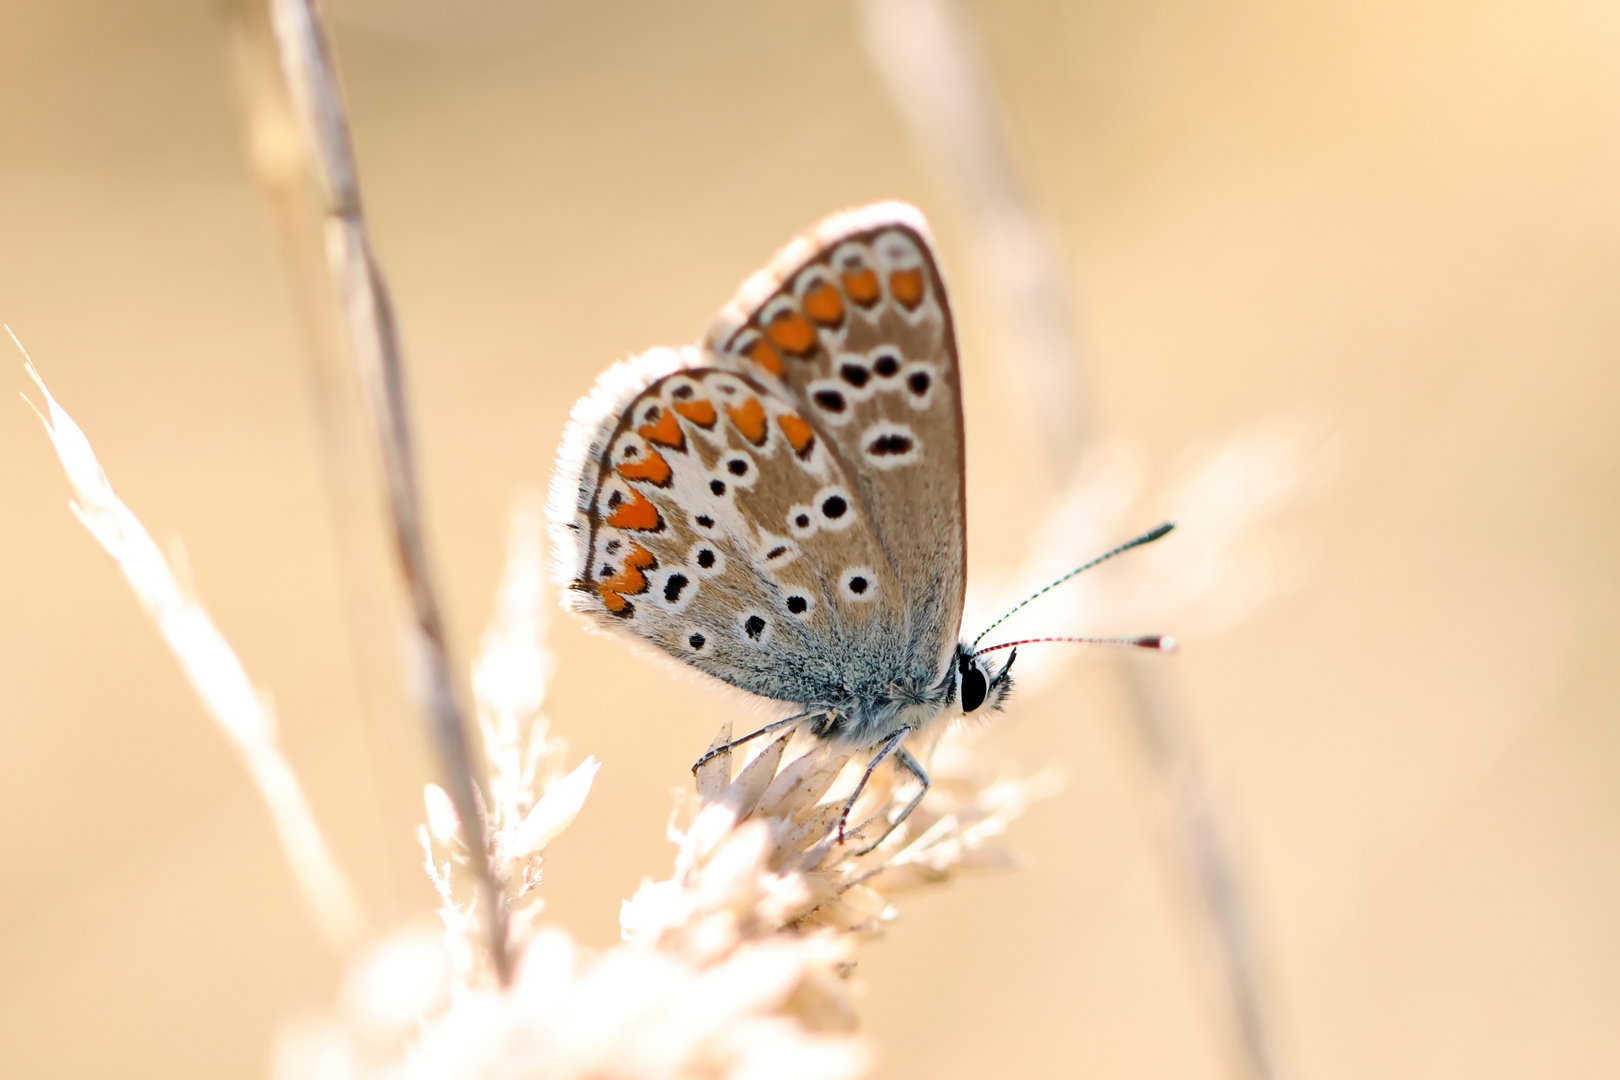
[(782, 505)]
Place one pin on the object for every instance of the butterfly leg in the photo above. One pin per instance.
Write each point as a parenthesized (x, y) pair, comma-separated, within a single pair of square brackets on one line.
[(905, 760), (775, 725), (885, 748)]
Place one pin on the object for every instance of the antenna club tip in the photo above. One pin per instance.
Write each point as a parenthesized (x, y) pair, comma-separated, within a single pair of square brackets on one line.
[(1161, 531), (1161, 642)]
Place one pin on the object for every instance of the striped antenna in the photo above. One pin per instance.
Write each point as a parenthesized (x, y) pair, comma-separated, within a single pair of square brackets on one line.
[(1146, 538)]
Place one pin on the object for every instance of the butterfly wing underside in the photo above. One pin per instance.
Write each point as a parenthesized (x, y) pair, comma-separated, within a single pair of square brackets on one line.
[(782, 507)]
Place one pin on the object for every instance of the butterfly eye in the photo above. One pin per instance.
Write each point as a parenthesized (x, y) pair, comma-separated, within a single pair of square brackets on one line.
[(974, 688)]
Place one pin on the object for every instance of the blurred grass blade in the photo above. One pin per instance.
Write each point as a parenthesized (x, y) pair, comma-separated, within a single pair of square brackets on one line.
[(214, 671)]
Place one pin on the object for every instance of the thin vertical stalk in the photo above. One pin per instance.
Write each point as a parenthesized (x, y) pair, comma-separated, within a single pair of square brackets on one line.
[(927, 57), (299, 138)]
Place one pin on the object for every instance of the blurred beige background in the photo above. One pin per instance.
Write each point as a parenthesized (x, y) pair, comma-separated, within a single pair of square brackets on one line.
[(1402, 219)]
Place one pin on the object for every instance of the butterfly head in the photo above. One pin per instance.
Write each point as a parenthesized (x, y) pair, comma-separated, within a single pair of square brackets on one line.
[(978, 683)]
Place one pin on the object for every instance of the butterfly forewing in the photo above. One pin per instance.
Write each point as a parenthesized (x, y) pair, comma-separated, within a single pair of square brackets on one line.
[(783, 509)]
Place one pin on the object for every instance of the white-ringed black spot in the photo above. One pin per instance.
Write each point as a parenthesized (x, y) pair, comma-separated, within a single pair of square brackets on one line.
[(612, 546), (704, 521), (706, 560), (801, 521), (830, 400), (920, 381), (684, 392), (717, 486), (797, 604), (697, 641), (888, 445), (858, 584), (652, 414), (755, 628), (854, 374), (777, 552), (608, 570), (615, 497), (886, 364), (631, 451), (832, 508), (737, 467), (673, 587)]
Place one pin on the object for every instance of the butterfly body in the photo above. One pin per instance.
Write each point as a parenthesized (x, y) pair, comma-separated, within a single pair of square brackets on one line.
[(781, 506)]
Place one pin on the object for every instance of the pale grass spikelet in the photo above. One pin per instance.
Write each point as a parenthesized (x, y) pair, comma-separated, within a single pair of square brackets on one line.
[(695, 1000), (240, 711)]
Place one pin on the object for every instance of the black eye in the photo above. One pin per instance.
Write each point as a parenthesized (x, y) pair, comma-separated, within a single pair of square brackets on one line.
[(974, 689)]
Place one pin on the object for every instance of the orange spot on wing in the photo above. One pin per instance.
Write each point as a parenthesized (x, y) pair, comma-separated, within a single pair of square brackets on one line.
[(750, 420), (824, 304), (665, 431), (629, 581), (798, 432), (791, 332), (761, 353), (862, 286), (652, 468), (699, 412), (907, 287), (636, 513)]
